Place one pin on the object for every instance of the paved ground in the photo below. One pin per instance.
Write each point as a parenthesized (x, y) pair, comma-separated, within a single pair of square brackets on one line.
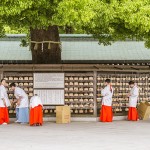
[(119, 135)]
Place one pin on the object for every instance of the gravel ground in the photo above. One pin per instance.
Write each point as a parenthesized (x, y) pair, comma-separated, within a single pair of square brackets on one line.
[(119, 135)]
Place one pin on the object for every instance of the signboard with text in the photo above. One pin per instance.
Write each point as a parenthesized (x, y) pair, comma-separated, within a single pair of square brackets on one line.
[(50, 87), (48, 80)]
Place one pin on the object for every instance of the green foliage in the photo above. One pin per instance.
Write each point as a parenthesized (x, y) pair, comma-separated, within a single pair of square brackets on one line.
[(121, 20), (9, 30), (107, 20), (76, 13), (42, 13), (28, 13)]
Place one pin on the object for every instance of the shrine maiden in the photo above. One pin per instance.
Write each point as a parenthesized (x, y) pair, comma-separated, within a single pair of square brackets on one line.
[(4, 103), (36, 112), (22, 104), (106, 114), (133, 97)]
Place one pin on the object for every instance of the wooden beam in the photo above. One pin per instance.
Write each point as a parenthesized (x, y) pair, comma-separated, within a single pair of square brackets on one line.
[(118, 68), (135, 68), (73, 67), (95, 66)]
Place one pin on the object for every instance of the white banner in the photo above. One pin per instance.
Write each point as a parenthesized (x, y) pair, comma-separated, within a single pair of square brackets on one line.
[(48, 80), (51, 97)]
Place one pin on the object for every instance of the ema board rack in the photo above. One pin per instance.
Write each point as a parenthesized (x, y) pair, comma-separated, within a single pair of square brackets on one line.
[(22, 80), (121, 89), (79, 92), (82, 90)]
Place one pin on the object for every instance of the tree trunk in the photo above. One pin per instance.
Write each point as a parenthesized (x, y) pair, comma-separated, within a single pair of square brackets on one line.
[(42, 54)]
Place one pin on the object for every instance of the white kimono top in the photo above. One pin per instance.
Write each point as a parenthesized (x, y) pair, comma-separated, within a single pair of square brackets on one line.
[(4, 95), (24, 97), (35, 101), (107, 94), (134, 96)]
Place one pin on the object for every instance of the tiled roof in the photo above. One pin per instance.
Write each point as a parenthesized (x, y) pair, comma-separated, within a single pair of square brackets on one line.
[(91, 50), (78, 48), (11, 50)]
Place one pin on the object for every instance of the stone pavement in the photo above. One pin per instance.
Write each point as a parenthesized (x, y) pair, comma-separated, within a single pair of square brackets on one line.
[(119, 135)]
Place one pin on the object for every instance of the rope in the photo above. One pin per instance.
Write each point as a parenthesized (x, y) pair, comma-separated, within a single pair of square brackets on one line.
[(43, 42)]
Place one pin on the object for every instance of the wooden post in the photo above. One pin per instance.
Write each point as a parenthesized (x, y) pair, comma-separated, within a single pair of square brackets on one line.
[(1, 73), (95, 92)]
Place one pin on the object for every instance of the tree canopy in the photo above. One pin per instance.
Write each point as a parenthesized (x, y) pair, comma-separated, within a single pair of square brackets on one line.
[(121, 20), (107, 20), (44, 13)]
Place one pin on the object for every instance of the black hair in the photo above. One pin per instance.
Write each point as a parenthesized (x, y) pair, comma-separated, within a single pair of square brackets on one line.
[(131, 82), (108, 80), (2, 80), (12, 84)]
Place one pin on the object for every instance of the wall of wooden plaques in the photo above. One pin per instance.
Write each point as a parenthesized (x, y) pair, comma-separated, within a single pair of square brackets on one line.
[(82, 90), (79, 93), (22, 80), (121, 89)]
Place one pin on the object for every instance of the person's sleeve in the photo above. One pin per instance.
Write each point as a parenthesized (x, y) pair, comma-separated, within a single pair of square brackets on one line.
[(104, 91), (31, 102), (18, 93), (108, 94), (1, 94), (135, 93)]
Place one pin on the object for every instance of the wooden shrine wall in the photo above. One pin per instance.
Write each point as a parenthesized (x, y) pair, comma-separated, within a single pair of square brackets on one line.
[(82, 90)]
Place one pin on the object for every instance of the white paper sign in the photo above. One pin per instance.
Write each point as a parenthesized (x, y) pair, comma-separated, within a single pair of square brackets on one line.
[(48, 80), (51, 97)]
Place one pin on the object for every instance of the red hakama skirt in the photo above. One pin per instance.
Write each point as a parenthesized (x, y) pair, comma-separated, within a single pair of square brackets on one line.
[(132, 114), (4, 116), (36, 115), (106, 114)]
